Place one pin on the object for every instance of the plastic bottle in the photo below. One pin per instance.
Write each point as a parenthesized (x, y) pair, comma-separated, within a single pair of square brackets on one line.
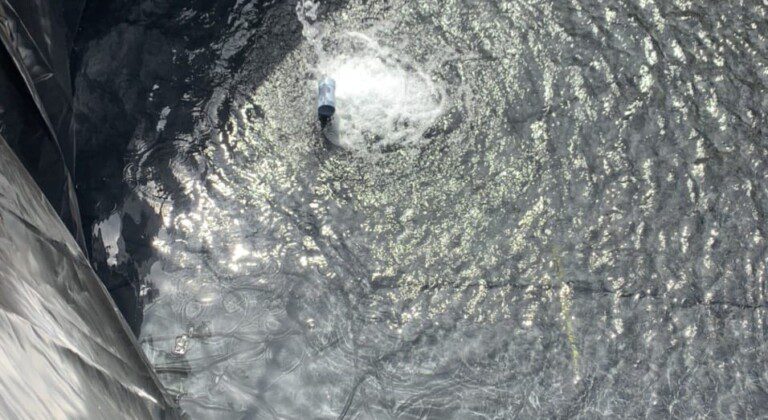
[(326, 99)]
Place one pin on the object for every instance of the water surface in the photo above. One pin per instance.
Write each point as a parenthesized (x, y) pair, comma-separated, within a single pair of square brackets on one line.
[(542, 209)]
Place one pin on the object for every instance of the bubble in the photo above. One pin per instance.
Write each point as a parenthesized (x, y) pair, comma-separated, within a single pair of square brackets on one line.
[(193, 309), (233, 302)]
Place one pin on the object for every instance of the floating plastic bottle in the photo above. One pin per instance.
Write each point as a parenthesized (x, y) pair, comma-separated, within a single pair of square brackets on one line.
[(326, 99)]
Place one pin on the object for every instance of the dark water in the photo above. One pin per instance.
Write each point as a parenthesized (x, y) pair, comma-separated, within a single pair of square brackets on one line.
[(543, 208)]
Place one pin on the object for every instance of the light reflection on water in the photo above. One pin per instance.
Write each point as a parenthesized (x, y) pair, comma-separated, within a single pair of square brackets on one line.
[(572, 222)]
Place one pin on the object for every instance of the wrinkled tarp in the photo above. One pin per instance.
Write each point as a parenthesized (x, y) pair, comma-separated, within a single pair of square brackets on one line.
[(35, 87), (65, 350)]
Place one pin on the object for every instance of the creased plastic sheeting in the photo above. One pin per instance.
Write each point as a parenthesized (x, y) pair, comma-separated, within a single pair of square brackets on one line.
[(66, 353), (36, 113)]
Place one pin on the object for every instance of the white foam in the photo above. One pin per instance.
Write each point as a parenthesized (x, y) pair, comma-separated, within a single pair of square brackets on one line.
[(382, 99)]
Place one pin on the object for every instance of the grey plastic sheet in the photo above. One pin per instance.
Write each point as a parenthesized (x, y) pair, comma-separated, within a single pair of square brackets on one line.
[(66, 353)]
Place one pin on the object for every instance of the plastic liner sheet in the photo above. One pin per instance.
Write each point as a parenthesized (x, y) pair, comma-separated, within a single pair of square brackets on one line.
[(66, 353), (35, 87)]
